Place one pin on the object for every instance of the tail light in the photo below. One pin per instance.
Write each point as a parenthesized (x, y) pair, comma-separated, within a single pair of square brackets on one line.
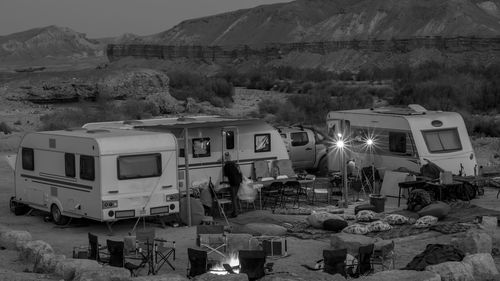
[(109, 204)]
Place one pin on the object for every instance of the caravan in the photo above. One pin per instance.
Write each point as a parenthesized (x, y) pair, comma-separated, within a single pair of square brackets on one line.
[(205, 139), (393, 138), (103, 175)]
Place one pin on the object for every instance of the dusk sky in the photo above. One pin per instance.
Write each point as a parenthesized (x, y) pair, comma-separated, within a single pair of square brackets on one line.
[(109, 18)]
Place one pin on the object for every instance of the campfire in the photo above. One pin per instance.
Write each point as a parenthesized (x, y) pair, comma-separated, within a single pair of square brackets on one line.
[(227, 266)]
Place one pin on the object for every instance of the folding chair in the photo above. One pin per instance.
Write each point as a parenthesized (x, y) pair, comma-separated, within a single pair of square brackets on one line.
[(117, 257), (158, 251), (364, 264), (335, 261), (252, 263), (212, 238), (94, 250), (290, 192), (261, 169), (272, 193), (197, 262), (384, 254)]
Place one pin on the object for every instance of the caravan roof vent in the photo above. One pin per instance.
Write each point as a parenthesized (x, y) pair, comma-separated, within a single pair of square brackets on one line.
[(75, 129), (186, 119), (417, 108), (132, 122), (96, 131), (398, 111)]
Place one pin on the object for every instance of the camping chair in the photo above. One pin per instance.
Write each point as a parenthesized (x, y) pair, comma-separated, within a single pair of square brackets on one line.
[(384, 254), (158, 251), (212, 238), (368, 180), (197, 262), (364, 264), (252, 263), (261, 170), (117, 257), (95, 250), (290, 192), (272, 193), (335, 261)]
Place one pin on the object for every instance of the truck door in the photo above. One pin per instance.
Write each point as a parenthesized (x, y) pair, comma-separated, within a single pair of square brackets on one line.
[(302, 149)]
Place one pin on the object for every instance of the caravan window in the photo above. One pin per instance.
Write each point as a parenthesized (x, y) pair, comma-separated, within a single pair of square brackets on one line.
[(262, 142), (139, 166), (28, 156), (201, 147), (397, 142), (299, 139), (69, 165), (229, 139), (87, 167), (442, 140)]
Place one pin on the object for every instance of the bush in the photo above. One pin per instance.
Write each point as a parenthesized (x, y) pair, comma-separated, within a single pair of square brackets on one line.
[(5, 128)]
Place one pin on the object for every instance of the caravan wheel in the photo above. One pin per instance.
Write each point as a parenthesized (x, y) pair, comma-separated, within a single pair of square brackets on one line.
[(57, 217)]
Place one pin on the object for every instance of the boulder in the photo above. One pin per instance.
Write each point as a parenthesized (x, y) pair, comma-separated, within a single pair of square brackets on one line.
[(216, 277), (316, 219), (10, 275), (14, 238), (350, 241), (46, 263), (483, 266), (161, 277), (452, 271), (474, 241), (267, 229), (33, 250), (68, 268), (241, 241), (438, 209), (403, 275), (106, 273)]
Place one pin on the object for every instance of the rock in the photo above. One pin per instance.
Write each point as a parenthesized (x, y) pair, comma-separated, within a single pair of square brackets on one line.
[(452, 271), (403, 275), (267, 229), (316, 219), (46, 263), (106, 273), (474, 242), (68, 268), (241, 241), (483, 266), (165, 102), (312, 275), (33, 250), (350, 241), (14, 239), (9, 275), (161, 277), (215, 277)]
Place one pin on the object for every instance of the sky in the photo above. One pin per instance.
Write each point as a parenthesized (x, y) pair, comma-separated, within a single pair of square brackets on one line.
[(110, 18)]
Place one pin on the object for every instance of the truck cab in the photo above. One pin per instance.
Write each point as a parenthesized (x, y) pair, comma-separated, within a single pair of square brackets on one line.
[(306, 147)]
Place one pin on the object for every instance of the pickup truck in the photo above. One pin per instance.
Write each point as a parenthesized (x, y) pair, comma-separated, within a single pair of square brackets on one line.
[(306, 148)]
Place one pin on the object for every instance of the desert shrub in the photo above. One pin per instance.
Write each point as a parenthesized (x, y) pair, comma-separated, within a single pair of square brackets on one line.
[(138, 109), (216, 90), (269, 106), (346, 76), (5, 128), (65, 118)]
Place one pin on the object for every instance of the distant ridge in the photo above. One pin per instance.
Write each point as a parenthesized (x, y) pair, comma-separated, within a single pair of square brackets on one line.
[(334, 20), (47, 42)]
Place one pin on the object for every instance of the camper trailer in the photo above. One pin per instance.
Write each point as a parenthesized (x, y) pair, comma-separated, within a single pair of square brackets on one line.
[(393, 138), (103, 175), (206, 139)]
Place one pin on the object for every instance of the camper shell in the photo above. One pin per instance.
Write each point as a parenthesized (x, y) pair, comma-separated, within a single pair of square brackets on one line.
[(103, 175), (402, 138), (208, 139)]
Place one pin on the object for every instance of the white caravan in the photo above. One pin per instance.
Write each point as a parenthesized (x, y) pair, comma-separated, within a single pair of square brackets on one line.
[(103, 175), (392, 138), (208, 139)]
